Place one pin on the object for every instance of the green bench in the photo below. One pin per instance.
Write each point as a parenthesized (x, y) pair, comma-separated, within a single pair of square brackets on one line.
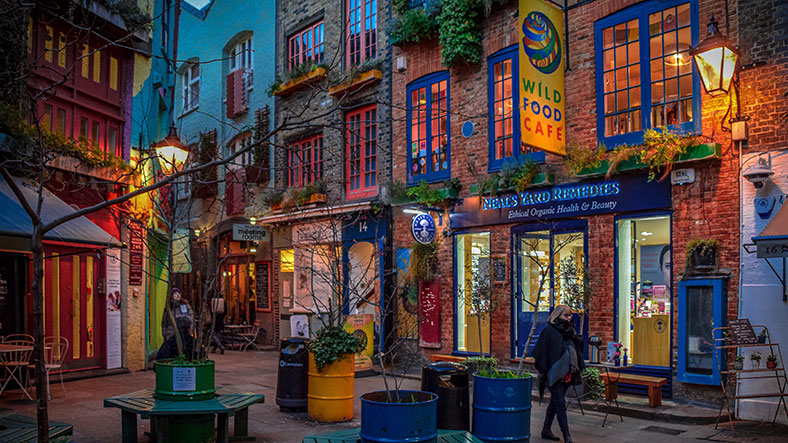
[(351, 436), (15, 428), (143, 403)]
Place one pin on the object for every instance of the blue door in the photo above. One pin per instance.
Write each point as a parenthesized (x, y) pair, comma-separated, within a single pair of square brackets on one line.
[(542, 254)]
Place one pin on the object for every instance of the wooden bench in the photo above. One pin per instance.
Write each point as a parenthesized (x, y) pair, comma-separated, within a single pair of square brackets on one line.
[(447, 357), (147, 406), (15, 428), (352, 436), (654, 385)]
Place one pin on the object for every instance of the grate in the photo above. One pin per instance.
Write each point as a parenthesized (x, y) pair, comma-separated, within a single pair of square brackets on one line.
[(661, 430)]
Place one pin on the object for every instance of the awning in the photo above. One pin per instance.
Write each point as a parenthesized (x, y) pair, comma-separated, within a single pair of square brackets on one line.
[(772, 242), (15, 222)]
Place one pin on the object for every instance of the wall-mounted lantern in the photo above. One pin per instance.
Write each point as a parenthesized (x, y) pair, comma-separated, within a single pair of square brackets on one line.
[(716, 58)]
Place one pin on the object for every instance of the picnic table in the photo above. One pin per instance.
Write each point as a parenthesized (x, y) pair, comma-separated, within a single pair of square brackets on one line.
[(15, 428), (352, 436), (144, 404)]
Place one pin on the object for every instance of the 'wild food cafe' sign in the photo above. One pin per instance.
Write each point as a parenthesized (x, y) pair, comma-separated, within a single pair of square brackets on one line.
[(622, 194)]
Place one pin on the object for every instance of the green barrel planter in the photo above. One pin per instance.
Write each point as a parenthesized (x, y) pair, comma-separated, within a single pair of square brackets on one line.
[(184, 381)]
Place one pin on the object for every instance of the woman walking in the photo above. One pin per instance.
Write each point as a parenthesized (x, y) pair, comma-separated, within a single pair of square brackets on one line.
[(558, 358)]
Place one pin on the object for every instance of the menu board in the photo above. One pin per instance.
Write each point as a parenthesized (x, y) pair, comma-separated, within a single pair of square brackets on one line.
[(742, 332), (263, 285), (499, 269)]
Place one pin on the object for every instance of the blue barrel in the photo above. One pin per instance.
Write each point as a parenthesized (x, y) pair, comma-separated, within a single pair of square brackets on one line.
[(413, 419), (502, 409)]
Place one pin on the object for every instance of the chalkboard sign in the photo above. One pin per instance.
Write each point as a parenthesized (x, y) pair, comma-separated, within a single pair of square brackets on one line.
[(499, 269), (263, 285), (741, 331)]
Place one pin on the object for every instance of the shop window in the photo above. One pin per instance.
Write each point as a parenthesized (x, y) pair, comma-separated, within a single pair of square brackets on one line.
[(306, 45), (305, 161), (428, 128), (362, 31), (703, 304), (644, 286), (472, 262), (504, 124), (361, 152), (542, 255), (644, 71)]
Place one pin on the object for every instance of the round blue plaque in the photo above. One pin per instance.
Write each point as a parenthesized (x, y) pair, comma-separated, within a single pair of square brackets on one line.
[(423, 228), (467, 129)]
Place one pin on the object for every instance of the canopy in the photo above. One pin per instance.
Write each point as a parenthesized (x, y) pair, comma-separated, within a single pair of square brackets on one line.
[(772, 242), (15, 222)]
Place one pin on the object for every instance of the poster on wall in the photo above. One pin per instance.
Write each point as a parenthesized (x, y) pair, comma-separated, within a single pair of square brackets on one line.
[(542, 76), (430, 314), (113, 353), (363, 327), (407, 298), (299, 326)]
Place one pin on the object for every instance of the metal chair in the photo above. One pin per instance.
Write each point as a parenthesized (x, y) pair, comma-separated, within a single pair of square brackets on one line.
[(18, 337), (55, 350), (249, 338), (15, 362)]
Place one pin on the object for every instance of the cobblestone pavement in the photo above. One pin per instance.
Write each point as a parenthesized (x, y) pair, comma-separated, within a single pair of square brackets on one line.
[(256, 372)]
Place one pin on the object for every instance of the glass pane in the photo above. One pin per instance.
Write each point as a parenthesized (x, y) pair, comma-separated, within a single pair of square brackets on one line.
[(656, 46), (669, 19), (610, 126), (635, 120), (700, 319), (685, 86), (634, 97), (632, 30), (672, 89), (672, 113), (607, 38), (657, 116), (473, 292), (633, 53), (608, 60), (634, 75), (608, 80), (655, 23), (610, 100), (656, 69), (622, 104), (669, 43), (621, 56), (621, 34), (621, 78), (568, 270), (535, 272), (683, 14)]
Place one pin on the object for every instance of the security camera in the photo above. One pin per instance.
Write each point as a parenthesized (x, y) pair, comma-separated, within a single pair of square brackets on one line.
[(759, 173)]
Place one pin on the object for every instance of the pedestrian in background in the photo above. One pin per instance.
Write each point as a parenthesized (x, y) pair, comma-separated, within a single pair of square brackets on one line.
[(559, 359), (217, 306), (180, 308)]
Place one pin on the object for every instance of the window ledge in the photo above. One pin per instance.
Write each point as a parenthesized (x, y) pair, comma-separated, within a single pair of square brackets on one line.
[(299, 83), (365, 78), (540, 179), (694, 153)]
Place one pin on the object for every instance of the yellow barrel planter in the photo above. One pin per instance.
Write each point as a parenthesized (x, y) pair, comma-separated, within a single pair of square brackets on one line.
[(330, 391)]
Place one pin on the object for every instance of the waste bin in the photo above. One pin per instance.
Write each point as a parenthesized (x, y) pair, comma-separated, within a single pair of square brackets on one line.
[(291, 381), (450, 382)]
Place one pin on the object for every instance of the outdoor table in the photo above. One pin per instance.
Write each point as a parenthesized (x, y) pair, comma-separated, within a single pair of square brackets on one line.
[(4, 348), (351, 436), (232, 333), (147, 406)]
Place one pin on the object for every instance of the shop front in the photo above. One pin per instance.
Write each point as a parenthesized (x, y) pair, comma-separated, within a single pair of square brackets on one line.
[(615, 234)]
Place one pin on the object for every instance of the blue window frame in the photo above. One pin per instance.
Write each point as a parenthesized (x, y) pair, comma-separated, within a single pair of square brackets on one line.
[(503, 95), (644, 74), (429, 153)]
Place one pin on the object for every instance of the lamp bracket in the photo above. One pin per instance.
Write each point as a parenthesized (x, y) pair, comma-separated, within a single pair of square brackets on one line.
[(752, 65)]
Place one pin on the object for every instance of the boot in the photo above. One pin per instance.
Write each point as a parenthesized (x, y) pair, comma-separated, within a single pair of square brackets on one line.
[(547, 434), (567, 437)]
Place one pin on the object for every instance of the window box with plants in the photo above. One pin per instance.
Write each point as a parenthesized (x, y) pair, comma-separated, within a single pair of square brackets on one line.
[(702, 255), (431, 197), (367, 73), (298, 78), (514, 177)]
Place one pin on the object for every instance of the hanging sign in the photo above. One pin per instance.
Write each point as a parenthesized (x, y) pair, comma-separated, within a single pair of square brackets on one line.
[(250, 233), (423, 228), (542, 76), (136, 251)]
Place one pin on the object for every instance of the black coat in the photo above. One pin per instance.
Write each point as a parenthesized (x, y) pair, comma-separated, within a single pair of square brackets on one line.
[(551, 347)]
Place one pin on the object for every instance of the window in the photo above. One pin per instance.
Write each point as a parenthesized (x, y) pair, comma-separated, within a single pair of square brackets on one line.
[(305, 45), (61, 50), (191, 87), (644, 285), (362, 31), (113, 73), (239, 143), (97, 66), (644, 71), (305, 161), (428, 128), (472, 261), (504, 124), (60, 121), (543, 254), (361, 156), (49, 43), (241, 57), (85, 71)]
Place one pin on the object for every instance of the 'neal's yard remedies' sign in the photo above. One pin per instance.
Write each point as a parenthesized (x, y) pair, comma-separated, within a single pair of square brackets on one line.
[(625, 193)]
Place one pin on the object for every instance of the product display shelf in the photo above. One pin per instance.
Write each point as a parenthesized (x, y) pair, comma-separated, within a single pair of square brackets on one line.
[(731, 378)]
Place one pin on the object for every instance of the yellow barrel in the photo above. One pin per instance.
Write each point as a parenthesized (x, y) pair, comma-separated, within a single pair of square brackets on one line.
[(330, 392)]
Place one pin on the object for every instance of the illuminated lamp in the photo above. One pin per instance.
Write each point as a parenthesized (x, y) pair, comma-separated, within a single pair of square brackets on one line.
[(716, 58), (172, 154)]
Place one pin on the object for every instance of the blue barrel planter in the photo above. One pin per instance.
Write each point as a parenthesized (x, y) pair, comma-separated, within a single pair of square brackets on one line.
[(502, 409), (413, 419)]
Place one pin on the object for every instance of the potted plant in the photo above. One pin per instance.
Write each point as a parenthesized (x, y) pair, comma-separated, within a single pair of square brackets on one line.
[(480, 364), (331, 374), (738, 363), (762, 336), (592, 383), (702, 254), (771, 361), (755, 359), (502, 405)]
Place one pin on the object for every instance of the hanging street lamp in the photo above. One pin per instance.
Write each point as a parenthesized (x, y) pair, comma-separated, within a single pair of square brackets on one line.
[(716, 58), (171, 153)]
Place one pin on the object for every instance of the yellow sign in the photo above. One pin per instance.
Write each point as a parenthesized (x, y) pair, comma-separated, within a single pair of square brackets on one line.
[(362, 326), (542, 76)]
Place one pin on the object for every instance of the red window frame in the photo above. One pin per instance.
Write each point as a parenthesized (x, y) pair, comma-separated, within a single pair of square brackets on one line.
[(362, 31), (361, 150), (305, 161), (306, 44)]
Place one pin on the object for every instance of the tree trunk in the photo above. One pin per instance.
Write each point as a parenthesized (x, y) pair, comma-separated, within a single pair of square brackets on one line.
[(42, 415)]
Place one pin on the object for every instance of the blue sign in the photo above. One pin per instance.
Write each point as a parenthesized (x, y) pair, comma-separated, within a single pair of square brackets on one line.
[(764, 206), (423, 228), (623, 194), (365, 226)]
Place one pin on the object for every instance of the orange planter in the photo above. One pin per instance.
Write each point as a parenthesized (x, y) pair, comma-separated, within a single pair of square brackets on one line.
[(330, 392)]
